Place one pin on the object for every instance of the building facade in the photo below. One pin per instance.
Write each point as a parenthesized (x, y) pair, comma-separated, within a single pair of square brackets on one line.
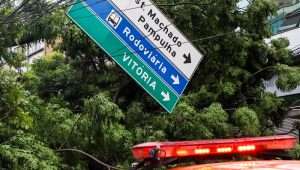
[(32, 52), (286, 24)]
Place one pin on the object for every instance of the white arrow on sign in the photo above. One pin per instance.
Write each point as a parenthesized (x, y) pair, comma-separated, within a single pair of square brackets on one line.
[(176, 79), (157, 28), (166, 96)]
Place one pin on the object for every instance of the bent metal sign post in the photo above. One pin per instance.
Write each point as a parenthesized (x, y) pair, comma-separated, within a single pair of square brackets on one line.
[(140, 38)]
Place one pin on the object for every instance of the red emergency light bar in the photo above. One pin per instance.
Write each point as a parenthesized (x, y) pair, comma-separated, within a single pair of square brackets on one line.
[(210, 147)]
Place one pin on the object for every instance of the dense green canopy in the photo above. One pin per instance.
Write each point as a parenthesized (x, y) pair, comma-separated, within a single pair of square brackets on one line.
[(82, 100)]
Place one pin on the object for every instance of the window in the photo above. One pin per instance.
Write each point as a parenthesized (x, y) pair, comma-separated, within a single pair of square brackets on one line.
[(290, 22), (284, 3)]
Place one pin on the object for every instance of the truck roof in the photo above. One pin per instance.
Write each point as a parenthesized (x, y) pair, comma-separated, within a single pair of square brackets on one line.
[(246, 165), (152, 155)]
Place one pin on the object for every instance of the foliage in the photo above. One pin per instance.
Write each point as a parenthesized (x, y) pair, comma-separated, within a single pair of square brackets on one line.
[(247, 121), (107, 139), (13, 101), (82, 96), (22, 150), (295, 153), (7, 37), (21, 24), (289, 78)]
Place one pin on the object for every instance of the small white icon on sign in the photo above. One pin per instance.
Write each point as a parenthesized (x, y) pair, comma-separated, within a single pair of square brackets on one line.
[(114, 19)]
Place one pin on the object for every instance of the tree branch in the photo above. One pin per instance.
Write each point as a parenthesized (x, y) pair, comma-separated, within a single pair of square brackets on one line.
[(5, 83), (253, 75), (117, 94), (200, 91), (291, 131), (86, 154), (76, 110), (120, 87), (203, 104), (117, 71), (71, 131), (79, 67), (188, 118), (232, 109), (94, 64), (188, 3), (294, 103), (178, 15), (3, 91), (285, 117), (252, 98), (196, 99)]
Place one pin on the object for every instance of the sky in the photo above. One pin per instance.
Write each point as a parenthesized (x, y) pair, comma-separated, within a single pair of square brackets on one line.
[(243, 3)]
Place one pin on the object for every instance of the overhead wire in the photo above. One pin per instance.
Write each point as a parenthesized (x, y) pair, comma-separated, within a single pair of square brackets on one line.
[(100, 1), (39, 10), (141, 38), (39, 17), (7, 4), (22, 18), (201, 39), (36, 12), (107, 12), (49, 10), (147, 35), (82, 8), (31, 14), (182, 43), (29, 6), (132, 9), (138, 40), (59, 1), (15, 11)]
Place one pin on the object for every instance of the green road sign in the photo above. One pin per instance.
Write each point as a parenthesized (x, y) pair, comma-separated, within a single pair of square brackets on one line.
[(107, 39)]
